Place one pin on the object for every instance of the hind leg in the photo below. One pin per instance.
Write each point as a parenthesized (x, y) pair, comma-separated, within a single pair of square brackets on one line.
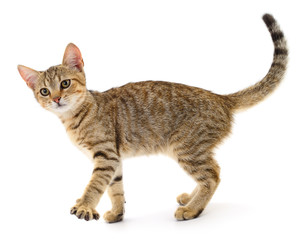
[(205, 171)]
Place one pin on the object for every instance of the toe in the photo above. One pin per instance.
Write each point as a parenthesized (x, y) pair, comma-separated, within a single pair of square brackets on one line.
[(183, 199), (88, 216), (96, 216), (185, 213), (73, 210), (80, 214), (179, 213)]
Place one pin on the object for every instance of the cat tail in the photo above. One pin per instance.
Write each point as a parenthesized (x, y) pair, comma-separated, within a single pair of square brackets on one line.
[(258, 92)]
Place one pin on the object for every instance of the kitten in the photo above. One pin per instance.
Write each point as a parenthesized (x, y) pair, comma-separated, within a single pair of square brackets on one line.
[(148, 117)]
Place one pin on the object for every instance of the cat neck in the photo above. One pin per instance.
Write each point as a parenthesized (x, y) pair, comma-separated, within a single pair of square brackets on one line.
[(85, 101)]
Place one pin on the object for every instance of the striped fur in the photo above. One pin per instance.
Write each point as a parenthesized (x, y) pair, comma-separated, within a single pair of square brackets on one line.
[(256, 93), (185, 122)]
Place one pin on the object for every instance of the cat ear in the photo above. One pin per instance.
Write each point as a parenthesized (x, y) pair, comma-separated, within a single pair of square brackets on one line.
[(72, 57), (29, 75)]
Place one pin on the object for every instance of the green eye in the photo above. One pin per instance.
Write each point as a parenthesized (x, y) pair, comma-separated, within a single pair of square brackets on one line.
[(45, 92), (65, 83)]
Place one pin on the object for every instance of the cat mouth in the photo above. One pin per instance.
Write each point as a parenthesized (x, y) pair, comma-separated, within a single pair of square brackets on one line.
[(60, 105)]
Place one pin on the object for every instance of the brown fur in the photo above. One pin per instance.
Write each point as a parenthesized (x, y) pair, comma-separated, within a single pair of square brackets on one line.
[(185, 122)]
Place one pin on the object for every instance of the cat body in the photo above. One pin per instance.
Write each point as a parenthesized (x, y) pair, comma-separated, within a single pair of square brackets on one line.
[(184, 122), (149, 117)]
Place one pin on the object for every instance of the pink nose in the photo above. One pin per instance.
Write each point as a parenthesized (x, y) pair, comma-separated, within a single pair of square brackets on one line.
[(56, 99)]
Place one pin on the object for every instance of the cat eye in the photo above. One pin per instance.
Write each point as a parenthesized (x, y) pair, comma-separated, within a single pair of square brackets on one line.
[(45, 92), (65, 83)]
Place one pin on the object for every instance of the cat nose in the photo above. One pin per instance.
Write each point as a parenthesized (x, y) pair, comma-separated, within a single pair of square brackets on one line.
[(56, 99)]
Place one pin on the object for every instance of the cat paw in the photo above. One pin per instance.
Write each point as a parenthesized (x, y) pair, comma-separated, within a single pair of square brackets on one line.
[(112, 217), (183, 199), (84, 212), (185, 213)]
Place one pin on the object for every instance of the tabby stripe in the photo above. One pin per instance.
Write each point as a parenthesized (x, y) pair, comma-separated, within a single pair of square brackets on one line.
[(97, 189), (102, 154), (80, 111), (78, 82), (197, 146), (277, 36), (192, 163), (107, 176), (278, 65), (98, 181), (213, 174), (201, 179), (105, 179), (118, 194), (196, 156), (55, 73), (118, 137), (83, 117), (113, 159), (92, 144), (45, 82), (206, 141), (109, 168), (181, 147), (280, 51), (81, 139), (190, 170), (177, 136), (200, 154), (111, 151), (117, 179), (102, 178)]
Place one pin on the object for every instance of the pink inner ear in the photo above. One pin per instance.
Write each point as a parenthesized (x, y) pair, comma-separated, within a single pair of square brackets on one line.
[(72, 57), (75, 62), (29, 75)]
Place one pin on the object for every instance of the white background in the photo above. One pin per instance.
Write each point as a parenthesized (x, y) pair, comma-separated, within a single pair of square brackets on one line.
[(221, 46)]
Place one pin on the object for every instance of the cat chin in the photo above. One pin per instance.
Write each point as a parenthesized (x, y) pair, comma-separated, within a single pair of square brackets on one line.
[(59, 109)]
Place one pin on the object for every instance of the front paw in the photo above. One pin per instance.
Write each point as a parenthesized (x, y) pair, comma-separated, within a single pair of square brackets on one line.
[(112, 217), (84, 212), (186, 213)]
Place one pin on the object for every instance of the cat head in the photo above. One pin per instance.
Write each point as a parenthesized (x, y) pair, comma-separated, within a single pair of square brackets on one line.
[(61, 88)]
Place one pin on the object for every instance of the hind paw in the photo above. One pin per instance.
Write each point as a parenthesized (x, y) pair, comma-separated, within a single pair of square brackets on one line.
[(185, 213)]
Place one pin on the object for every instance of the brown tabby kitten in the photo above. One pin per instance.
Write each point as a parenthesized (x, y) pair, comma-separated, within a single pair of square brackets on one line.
[(184, 122)]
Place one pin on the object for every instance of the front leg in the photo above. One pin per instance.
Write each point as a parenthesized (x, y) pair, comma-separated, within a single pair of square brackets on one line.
[(116, 194), (105, 166)]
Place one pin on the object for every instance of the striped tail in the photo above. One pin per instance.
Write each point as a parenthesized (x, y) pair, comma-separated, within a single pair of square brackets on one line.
[(256, 93)]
